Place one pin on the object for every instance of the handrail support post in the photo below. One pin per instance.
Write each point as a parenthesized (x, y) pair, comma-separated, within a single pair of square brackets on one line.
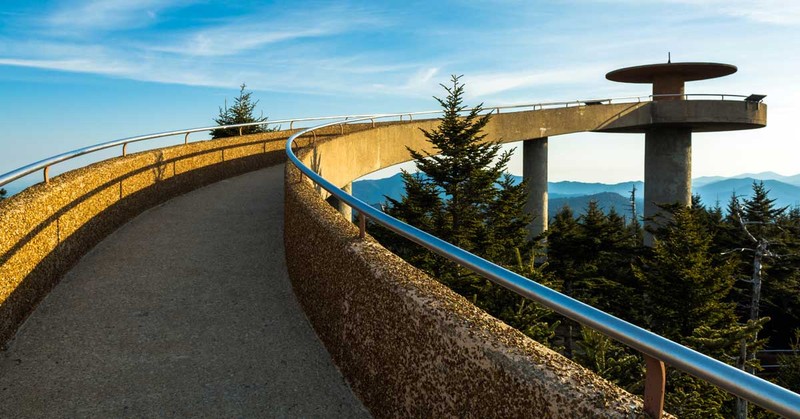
[(47, 174), (654, 383), (362, 225)]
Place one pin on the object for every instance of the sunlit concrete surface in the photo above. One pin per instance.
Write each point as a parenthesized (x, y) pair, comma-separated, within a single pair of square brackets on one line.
[(187, 310)]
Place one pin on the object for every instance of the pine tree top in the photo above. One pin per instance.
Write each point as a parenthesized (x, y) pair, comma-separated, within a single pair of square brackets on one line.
[(761, 208), (462, 155), (242, 112), (461, 193)]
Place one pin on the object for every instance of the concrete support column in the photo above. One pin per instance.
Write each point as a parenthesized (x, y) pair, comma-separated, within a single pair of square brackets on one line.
[(534, 171), (667, 171), (344, 209)]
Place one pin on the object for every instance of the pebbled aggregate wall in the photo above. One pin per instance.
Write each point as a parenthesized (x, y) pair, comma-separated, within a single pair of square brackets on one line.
[(409, 346), (46, 228)]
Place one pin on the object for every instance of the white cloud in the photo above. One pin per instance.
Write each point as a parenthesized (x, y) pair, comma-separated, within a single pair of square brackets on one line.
[(236, 36), (489, 83), (422, 78), (782, 12), (143, 70), (269, 50), (72, 65), (91, 15), (234, 39)]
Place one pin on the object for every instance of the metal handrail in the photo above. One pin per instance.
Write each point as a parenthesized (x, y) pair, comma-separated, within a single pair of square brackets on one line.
[(46, 163), (730, 379)]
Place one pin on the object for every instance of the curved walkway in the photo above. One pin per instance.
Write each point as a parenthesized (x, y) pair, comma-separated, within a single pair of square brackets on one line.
[(185, 311)]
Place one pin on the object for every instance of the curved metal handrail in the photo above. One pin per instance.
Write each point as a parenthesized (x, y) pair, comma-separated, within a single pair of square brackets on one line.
[(46, 163), (730, 379)]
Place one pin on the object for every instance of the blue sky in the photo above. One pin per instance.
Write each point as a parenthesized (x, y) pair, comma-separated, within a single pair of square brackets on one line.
[(78, 72)]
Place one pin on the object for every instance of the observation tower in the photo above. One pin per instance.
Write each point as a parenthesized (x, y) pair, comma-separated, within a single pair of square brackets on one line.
[(669, 120)]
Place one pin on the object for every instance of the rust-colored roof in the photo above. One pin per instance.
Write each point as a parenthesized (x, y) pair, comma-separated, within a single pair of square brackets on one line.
[(687, 71)]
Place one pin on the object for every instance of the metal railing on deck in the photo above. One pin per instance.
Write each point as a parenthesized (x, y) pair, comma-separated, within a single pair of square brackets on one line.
[(45, 164), (655, 349)]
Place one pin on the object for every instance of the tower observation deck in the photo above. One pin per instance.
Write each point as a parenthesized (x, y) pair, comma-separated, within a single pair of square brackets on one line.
[(668, 124)]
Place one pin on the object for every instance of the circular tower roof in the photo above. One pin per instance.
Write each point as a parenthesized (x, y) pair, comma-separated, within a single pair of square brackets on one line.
[(685, 71)]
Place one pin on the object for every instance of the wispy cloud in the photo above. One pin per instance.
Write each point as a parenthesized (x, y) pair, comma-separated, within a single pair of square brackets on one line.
[(491, 83), (781, 12), (346, 48), (92, 15), (239, 35), (272, 49), (71, 65)]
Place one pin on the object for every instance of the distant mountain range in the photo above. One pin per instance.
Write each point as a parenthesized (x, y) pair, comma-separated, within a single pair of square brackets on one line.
[(791, 180), (712, 189)]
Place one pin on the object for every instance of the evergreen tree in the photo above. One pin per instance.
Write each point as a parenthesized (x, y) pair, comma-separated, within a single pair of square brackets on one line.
[(240, 113), (683, 287), (685, 290), (610, 360), (462, 196), (760, 209), (789, 372), (563, 238), (767, 252)]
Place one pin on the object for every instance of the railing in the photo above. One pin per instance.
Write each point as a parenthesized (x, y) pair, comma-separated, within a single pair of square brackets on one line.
[(655, 349), (45, 164)]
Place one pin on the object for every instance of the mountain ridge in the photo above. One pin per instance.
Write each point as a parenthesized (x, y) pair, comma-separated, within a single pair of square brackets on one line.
[(712, 190)]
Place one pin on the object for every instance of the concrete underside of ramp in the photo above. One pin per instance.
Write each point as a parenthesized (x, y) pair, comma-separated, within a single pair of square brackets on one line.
[(187, 310)]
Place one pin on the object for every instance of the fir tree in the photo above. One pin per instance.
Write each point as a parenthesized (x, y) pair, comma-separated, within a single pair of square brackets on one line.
[(610, 360), (683, 287), (760, 209), (789, 372), (563, 238), (760, 238), (462, 196), (686, 290), (240, 113)]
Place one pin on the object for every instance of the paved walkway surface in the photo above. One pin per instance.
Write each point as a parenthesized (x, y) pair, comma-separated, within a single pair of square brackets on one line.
[(185, 311)]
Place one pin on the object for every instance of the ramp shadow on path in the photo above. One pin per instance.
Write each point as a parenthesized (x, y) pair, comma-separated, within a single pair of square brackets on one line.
[(187, 310)]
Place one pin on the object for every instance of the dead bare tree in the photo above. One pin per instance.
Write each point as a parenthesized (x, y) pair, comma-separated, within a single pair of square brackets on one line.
[(746, 360)]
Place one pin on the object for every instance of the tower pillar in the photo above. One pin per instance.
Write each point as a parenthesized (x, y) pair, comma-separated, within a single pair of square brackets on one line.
[(534, 171), (667, 173)]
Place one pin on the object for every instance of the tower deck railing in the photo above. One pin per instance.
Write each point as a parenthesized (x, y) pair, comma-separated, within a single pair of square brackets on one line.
[(45, 164)]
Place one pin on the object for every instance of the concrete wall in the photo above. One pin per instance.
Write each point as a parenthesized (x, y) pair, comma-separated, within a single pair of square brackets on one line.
[(409, 346), (357, 154), (45, 229)]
